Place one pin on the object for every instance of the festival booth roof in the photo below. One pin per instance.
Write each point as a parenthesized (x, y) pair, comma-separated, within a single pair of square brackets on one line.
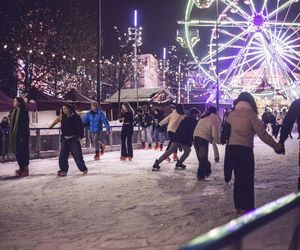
[(46, 102), (129, 95), (6, 103), (162, 97), (83, 102)]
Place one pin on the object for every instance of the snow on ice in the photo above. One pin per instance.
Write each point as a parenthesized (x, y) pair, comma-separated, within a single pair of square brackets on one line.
[(124, 205)]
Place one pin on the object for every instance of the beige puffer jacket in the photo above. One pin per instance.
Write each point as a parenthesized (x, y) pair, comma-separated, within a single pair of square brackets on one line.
[(208, 128), (245, 124), (173, 121)]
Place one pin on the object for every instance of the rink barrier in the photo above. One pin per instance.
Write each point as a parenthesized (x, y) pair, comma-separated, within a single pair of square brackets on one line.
[(231, 234), (45, 142)]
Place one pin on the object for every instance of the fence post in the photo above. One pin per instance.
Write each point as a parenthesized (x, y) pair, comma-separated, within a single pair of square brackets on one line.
[(110, 138), (38, 143)]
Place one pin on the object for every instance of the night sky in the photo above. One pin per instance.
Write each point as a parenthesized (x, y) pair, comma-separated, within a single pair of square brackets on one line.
[(157, 17)]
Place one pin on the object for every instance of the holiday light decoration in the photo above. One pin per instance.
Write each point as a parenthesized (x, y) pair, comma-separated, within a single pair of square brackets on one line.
[(257, 40)]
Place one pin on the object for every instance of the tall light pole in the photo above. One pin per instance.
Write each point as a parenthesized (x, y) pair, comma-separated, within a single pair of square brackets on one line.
[(217, 59), (99, 87), (179, 81), (135, 34), (164, 66)]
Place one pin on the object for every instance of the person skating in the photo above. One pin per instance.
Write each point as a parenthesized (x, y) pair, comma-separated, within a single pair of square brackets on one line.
[(173, 120), (183, 137), (126, 132), (207, 131), (159, 131), (19, 136), (292, 116), (145, 121), (239, 154), (95, 119), (72, 131)]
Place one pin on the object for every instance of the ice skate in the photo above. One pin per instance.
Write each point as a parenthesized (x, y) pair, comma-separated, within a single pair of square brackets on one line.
[(61, 173), (180, 165), (122, 158), (156, 146), (175, 158), (84, 172), (130, 158), (97, 156), (22, 173), (156, 166), (102, 149)]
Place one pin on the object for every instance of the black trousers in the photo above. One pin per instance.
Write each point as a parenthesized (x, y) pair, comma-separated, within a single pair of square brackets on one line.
[(241, 160), (201, 148), (22, 153), (71, 146), (126, 140)]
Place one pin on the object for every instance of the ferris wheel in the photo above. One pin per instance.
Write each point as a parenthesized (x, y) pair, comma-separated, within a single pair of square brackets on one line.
[(255, 43)]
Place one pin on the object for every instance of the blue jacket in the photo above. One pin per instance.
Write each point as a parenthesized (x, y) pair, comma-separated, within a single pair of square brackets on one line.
[(95, 121)]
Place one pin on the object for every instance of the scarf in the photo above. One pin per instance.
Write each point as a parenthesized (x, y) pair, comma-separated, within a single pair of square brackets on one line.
[(14, 130)]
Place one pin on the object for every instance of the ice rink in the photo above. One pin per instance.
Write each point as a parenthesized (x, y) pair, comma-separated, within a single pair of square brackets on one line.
[(124, 205)]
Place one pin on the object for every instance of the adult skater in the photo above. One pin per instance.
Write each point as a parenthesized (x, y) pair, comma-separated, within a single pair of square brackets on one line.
[(126, 132), (19, 136), (239, 154), (207, 131), (173, 120), (72, 131), (292, 116), (183, 137), (95, 118)]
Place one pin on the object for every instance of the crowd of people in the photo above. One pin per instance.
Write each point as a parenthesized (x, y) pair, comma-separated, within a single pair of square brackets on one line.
[(182, 128)]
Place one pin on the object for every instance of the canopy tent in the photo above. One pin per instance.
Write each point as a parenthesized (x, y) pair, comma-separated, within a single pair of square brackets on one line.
[(6, 103), (46, 102), (82, 102)]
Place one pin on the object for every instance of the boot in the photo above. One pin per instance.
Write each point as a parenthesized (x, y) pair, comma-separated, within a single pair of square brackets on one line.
[(156, 146), (156, 166), (122, 158), (130, 158), (179, 165), (161, 147), (175, 158), (102, 149), (61, 173), (149, 145), (97, 156), (22, 172), (143, 145)]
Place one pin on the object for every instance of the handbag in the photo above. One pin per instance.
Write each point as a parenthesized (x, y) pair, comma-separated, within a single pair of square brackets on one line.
[(225, 133)]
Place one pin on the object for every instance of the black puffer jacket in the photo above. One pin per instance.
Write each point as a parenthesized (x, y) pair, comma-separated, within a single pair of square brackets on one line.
[(72, 126), (185, 131)]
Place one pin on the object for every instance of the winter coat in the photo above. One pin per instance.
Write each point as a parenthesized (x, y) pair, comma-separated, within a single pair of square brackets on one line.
[(185, 130), (245, 124), (95, 121), (173, 120), (208, 128), (72, 126), (291, 117), (144, 120)]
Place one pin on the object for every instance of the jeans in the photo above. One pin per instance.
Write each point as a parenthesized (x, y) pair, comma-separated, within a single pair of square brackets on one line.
[(147, 135), (173, 147), (158, 136), (72, 146)]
